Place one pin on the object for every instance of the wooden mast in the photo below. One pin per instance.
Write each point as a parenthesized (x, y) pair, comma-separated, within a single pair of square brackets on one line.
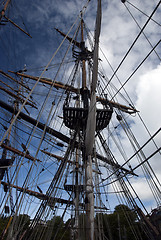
[(90, 129), (88, 168), (2, 15), (4, 9), (84, 80), (83, 61), (67, 87)]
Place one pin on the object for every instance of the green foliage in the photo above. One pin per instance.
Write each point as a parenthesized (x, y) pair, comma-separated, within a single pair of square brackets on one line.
[(21, 224), (121, 224), (17, 227), (3, 224), (54, 229)]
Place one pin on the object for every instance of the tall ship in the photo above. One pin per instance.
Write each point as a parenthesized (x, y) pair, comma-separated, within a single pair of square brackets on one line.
[(80, 120)]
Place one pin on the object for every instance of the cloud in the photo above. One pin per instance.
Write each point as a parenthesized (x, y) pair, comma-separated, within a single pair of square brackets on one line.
[(142, 188), (117, 36), (149, 98), (148, 103)]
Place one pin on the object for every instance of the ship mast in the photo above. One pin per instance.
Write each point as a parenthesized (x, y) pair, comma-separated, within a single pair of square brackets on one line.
[(89, 198), (4, 9), (2, 15), (84, 84), (90, 131)]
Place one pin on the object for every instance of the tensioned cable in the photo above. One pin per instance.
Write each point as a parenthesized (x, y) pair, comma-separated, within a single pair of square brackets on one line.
[(143, 31), (134, 167), (74, 69), (133, 43), (55, 181), (145, 36), (48, 212), (151, 179), (16, 7), (31, 168), (84, 8), (16, 116), (136, 69), (147, 130), (146, 159), (151, 45), (112, 71), (136, 152), (39, 133), (152, 184), (41, 75), (112, 85), (126, 197), (128, 194), (143, 12), (130, 201)]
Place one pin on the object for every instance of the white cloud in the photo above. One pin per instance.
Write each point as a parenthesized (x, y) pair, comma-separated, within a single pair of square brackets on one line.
[(149, 98), (141, 187)]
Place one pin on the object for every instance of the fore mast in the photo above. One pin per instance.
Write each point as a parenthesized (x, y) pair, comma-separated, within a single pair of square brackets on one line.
[(86, 120), (91, 128)]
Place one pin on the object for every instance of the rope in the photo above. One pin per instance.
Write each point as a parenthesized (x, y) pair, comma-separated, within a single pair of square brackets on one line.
[(134, 43), (136, 69)]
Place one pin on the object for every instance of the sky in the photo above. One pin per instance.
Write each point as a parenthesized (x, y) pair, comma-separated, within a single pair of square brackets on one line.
[(121, 24)]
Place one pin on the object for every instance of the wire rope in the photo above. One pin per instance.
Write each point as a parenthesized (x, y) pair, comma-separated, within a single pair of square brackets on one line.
[(134, 42)]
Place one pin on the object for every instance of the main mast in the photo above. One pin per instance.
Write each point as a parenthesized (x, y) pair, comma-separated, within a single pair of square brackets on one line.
[(84, 80), (87, 160), (85, 120), (91, 128)]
